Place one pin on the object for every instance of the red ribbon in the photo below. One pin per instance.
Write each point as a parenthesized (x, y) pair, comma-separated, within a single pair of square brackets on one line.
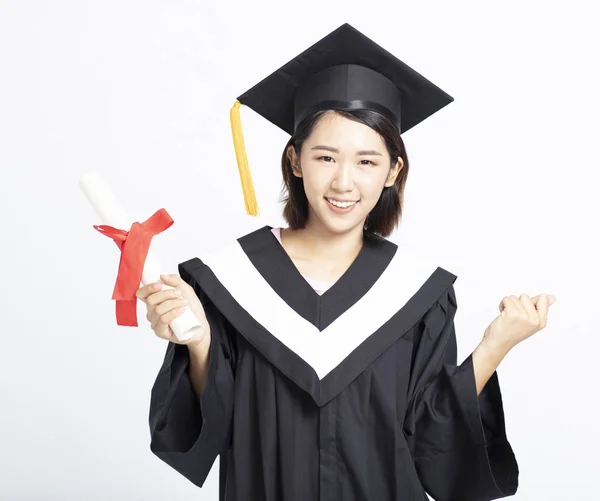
[(134, 245)]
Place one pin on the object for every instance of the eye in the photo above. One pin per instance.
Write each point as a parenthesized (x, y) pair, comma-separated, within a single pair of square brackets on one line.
[(367, 161), (320, 158)]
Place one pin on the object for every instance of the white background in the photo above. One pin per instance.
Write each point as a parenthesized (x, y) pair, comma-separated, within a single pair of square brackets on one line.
[(502, 191)]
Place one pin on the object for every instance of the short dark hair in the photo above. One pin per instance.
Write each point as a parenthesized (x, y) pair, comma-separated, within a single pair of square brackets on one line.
[(386, 214)]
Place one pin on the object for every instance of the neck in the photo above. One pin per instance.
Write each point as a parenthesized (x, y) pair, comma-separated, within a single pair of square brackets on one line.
[(316, 242)]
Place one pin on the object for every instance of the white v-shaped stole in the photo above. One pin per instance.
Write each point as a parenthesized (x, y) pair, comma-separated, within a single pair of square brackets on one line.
[(322, 350)]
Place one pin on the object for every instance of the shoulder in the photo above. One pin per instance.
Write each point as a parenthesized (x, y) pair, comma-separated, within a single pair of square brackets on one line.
[(417, 263), (231, 252)]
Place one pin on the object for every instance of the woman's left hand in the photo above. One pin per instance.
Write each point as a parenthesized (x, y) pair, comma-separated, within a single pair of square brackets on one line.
[(520, 317)]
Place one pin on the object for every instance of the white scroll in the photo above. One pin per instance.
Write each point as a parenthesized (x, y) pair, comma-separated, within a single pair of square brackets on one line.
[(111, 213)]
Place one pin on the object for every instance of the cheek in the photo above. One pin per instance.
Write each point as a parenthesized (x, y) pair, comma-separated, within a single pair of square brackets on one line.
[(372, 185), (314, 182)]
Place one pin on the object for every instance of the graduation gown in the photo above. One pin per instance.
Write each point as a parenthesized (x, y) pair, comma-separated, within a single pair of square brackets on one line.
[(352, 395)]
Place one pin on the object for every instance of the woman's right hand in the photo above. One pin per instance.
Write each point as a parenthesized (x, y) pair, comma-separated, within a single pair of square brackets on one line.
[(163, 306)]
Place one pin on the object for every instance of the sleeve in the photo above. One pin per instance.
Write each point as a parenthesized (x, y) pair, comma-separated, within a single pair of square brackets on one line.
[(188, 434), (457, 439)]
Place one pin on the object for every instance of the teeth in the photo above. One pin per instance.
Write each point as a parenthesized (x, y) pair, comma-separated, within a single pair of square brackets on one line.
[(340, 204)]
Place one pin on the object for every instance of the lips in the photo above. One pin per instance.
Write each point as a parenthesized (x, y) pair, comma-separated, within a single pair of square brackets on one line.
[(341, 210), (343, 201)]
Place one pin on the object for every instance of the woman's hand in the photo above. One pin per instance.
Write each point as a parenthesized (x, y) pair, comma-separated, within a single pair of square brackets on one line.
[(520, 317), (166, 304)]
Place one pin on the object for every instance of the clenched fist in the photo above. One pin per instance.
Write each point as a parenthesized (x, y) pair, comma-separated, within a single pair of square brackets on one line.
[(520, 317), (166, 303)]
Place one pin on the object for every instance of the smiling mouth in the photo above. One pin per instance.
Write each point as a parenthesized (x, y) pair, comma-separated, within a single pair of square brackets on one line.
[(341, 205)]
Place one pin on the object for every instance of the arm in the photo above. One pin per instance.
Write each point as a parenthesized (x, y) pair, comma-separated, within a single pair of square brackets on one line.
[(519, 319), (191, 404), (455, 430), (199, 361), (485, 362)]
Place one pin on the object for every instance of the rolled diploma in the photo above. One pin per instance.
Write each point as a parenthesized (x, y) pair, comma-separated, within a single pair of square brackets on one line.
[(110, 212)]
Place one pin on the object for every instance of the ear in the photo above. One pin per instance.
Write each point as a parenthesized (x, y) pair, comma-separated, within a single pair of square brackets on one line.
[(294, 160), (394, 171)]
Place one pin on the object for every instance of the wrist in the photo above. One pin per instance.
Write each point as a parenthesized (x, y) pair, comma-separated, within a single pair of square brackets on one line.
[(201, 348), (492, 351)]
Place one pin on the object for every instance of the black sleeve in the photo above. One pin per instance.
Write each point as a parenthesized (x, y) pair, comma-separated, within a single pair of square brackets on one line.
[(458, 440), (188, 434)]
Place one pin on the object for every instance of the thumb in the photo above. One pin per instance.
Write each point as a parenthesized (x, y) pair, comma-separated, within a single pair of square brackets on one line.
[(551, 299), (173, 279)]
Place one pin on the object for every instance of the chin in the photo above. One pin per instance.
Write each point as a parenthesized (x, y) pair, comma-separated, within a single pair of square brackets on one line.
[(338, 225)]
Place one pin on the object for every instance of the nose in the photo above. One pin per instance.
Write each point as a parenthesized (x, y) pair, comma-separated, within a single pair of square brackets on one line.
[(343, 179)]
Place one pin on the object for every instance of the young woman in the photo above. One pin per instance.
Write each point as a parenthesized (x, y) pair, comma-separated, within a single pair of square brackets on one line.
[(326, 367)]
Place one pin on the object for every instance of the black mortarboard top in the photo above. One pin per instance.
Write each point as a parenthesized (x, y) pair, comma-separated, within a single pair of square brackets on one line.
[(346, 71)]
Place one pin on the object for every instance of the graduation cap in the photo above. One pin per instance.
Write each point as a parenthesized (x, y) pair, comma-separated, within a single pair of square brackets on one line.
[(345, 71)]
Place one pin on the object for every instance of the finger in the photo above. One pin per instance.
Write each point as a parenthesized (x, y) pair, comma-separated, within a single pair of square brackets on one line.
[(506, 303), (168, 317), (518, 305), (143, 292), (528, 306), (169, 305), (502, 305), (169, 335), (157, 298), (165, 306), (511, 303), (551, 299), (176, 281), (542, 309), (173, 280)]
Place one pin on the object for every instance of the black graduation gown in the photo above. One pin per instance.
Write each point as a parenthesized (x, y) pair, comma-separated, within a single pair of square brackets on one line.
[(354, 395)]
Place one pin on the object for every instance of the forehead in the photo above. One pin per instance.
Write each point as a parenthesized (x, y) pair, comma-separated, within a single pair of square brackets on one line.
[(334, 129)]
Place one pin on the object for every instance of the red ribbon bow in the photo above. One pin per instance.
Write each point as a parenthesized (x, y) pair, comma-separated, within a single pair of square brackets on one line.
[(134, 245)]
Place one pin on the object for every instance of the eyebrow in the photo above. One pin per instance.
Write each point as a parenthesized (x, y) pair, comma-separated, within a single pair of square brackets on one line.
[(335, 150)]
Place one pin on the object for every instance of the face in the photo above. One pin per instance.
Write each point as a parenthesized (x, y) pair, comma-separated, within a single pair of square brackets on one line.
[(343, 161)]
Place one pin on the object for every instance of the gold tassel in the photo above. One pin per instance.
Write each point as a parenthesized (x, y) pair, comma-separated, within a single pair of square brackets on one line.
[(242, 160)]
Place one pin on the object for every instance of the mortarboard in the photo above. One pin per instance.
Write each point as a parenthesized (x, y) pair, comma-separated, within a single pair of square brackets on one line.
[(345, 70)]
